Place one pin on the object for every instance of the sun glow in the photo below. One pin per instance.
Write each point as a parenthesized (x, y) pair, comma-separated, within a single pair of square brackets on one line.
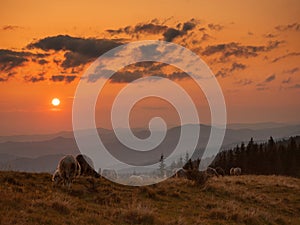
[(55, 102)]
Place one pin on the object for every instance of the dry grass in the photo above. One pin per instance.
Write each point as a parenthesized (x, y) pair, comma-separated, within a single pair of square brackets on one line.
[(31, 199)]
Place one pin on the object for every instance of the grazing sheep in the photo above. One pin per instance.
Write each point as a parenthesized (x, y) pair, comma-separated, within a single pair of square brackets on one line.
[(68, 169), (231, 171), (179, 173), (135, 180), (87, 166), (220, 171), (110, 174), (191, 171), (211, 172), (235, 171), (192, 165), (56, 178)]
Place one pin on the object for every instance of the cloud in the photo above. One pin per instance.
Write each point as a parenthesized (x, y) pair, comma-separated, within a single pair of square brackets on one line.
[(287, 81), (3, 79), (10, 27), (269, 35), (125, 77), (270, 78), (136, 71), (224, 72), (237, 66), (289, 27), (35, 79), (286, 56), (190, 25), (171, 33), (10, 59), (150, 28), (79, 50), (262, 88), (244, 82), (295, 86), (147, 28), (291, 71), (42, 61), (156, 27), (61, 78), (238, 50), (216, 27)]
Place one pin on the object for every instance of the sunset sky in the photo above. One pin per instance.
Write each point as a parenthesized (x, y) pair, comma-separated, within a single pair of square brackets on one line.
[(252, 47)]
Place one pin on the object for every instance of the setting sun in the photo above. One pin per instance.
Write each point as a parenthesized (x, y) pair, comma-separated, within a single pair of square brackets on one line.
[(55, 102)]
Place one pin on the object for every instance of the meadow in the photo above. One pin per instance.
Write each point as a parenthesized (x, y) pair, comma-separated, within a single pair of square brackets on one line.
[(30, 198)]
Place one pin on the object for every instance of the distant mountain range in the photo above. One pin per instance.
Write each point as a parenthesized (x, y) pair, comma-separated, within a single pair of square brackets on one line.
[(40, 153)]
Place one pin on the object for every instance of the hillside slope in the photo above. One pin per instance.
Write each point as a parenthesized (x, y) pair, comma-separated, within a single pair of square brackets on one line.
[(27, 198)]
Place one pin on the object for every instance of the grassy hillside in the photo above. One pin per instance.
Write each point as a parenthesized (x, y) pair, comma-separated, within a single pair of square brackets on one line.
[(30, 199)]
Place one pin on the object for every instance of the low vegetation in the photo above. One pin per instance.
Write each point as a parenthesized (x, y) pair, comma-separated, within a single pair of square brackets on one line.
[(27, 198)]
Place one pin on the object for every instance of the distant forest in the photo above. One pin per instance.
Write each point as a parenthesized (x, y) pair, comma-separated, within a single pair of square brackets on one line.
[(272, 157)]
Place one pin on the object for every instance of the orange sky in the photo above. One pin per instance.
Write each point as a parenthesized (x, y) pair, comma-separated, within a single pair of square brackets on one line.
[(266, 87)]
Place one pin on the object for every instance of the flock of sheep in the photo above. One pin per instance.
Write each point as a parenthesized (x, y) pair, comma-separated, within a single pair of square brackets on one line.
[(70, 167)]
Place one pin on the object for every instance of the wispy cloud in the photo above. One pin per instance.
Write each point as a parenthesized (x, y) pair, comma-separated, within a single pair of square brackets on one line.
[(288, 27), (61, 78), (238, 50), (270, 78), (286, 56)]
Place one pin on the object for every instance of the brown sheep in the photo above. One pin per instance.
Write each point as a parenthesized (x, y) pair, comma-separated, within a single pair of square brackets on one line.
[(68, 168), (211, 172), (86, 165), (235, 171), (220, 171)]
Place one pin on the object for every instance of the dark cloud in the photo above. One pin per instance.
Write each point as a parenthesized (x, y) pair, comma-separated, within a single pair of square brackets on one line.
[(61, 78), (289, 27), (171, 33), (79, 50), (42, 61), (150, 50), (244, 82), (262, 88), (216, 27), (270, 78), (291, 71), (237, 66), (136, 71), (296, 86), (224, 72), (188, 26), (202, 29), (269, 35), (10, 27), (35, 79), (148, 28), (205, 37), (287, 81), (126, 30), (125, 77), (104, 74), (10, 59), (173, 76), (3, 79), (286, 56), (238, 50)]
